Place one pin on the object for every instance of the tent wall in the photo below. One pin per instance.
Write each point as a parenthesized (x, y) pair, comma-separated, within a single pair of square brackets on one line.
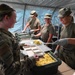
[(23, 9)]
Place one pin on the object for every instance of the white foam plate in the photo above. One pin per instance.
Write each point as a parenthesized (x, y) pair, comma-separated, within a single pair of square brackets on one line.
[(30, 53), (37, 51)]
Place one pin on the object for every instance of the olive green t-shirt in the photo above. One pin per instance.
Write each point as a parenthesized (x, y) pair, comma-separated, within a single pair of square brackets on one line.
[(34, 23), (46, 30), (68, 32)]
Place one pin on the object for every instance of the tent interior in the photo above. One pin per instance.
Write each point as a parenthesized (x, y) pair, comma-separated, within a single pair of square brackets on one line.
[(24, 7)]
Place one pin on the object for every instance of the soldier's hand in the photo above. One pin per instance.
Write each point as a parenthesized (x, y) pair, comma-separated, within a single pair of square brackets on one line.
[(55, 53), (31, 31), (61, 42), (23, 31)]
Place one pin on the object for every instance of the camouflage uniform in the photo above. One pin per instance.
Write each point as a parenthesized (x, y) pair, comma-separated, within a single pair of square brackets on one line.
[(9, 51), (67, 52)]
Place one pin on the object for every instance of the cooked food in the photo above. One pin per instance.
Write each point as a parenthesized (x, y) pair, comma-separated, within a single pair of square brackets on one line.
[(38, 42), (46, 59)]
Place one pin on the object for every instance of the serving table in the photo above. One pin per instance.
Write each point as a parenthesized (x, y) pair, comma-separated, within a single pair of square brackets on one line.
[(63, 69)]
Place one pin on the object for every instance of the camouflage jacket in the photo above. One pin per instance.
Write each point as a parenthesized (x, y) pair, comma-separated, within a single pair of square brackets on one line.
[(9, 49)]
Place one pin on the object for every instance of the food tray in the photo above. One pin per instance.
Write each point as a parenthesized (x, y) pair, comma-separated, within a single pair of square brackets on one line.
[(48, 69), (23, 35), (33, 50)]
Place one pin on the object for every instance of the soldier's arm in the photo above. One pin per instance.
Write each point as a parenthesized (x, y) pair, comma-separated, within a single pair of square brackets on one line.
[(6, 54), (16, 55), (1, 70), (16, 52), (71, 41), (39, 26), (49, 38), (26, 26)]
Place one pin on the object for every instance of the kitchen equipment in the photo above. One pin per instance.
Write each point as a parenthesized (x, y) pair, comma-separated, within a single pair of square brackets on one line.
[(47, 69)]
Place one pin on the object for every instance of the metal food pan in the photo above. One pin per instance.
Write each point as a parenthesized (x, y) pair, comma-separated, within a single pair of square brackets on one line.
[(48, 69)]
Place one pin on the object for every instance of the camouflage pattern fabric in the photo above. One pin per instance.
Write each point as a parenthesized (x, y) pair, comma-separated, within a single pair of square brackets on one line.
[(68, 57), (67, 52), (9, 50), (1, 70)]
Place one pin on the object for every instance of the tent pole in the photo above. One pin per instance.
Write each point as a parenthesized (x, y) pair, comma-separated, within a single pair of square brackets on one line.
[(23, 17)]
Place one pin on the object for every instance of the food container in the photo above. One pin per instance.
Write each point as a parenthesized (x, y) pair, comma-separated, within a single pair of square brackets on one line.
[(23, 35), (37, 42), (48, 69), (32, 50)]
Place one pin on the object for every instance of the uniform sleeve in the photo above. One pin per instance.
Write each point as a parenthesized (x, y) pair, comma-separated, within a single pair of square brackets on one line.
[(38, 22), (29, 20), (1, 70), (16, 52), (6, 54), (9, 50), (52, 30), (16, 48)]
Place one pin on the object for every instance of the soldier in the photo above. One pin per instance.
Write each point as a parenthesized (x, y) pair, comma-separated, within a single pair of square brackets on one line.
[(9, 49), (47, 30), (33, 22), (67, 38)]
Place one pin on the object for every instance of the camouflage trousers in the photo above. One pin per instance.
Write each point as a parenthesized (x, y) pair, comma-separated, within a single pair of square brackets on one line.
[(24, 69), (68, 57), (11, 70)]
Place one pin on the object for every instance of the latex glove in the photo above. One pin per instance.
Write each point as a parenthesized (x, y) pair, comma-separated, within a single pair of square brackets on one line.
[(23, 31), (55, 53), (61, 42)]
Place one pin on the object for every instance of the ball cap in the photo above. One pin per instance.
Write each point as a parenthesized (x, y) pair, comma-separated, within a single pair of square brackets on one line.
[(64, 12), (47, 15), (33, 12)]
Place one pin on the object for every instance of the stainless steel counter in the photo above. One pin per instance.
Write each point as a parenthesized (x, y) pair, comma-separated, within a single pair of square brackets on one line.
[(42, 47), (63, 69)]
